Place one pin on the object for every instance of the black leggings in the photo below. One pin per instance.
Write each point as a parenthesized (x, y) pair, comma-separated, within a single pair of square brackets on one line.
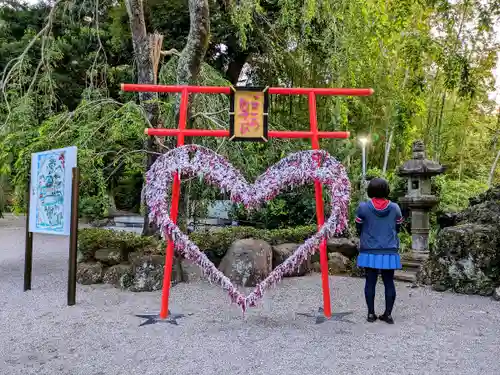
[(390, 289)]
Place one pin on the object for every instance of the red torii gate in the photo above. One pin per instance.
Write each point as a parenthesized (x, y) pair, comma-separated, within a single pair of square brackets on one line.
[(314, 134)]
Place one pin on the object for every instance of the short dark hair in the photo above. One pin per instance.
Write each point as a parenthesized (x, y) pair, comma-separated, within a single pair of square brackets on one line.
[(378, 188)]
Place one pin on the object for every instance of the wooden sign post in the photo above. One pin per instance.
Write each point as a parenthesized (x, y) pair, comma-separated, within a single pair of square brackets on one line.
[(53, 191)]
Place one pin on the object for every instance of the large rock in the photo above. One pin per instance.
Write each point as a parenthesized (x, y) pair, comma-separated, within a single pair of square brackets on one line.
[(447, 219), (89, 273), (284, 251), (491, 195), (85, 255), (190, 272), (496, 294), (424, 273), (101, 223), (466, 259), (109, 257), (119, 275), (147, 272), (483, 209), (356, 271), (247, 262), (316, 267), (345, 246), (338, 263)]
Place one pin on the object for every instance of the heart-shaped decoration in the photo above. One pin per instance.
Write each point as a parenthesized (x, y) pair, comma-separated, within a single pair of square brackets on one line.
[(295, 170)]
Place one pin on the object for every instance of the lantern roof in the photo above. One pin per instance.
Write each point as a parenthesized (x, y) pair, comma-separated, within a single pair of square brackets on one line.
[(419, 165)]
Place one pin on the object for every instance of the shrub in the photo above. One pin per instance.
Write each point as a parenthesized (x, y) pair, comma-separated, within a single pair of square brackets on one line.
[(91, 208), (290, 208), (215, 244), (92, 239), (454, 194), (404, 241)]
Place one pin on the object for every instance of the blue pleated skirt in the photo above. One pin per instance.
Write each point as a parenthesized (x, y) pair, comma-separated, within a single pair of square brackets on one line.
[(379, 261)]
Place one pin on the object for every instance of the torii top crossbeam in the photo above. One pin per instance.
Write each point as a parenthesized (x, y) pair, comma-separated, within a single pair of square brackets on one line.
[(311, 92)]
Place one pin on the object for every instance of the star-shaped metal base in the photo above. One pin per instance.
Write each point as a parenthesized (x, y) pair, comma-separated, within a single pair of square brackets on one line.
[(321, 318), (155, 318)]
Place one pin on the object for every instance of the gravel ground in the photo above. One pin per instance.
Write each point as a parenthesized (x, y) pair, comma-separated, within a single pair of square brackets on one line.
[(435, 333)]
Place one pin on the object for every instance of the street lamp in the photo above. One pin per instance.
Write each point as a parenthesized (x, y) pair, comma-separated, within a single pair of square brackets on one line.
[(363, 141)]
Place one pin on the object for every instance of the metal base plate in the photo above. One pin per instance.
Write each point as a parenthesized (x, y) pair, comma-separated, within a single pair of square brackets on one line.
[(320, 317), (155, 318), (171, 318)]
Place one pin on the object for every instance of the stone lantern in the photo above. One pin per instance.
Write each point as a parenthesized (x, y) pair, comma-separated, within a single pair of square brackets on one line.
[(419, 198)]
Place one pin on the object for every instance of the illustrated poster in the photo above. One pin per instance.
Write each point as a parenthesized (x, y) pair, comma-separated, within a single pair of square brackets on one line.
[(51, 180)]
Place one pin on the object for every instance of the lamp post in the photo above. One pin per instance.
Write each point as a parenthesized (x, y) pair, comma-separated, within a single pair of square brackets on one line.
[(363, 141)]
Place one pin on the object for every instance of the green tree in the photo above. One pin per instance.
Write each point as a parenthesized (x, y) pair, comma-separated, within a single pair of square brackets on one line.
[(430, 63)]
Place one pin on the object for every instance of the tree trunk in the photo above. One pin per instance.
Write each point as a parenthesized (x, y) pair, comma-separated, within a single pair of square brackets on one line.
[(188, 69), (495, 143), (145, 75), (437, 143), (196, 46), (389, 132), (235, 66), (493, 168), (388, 144)]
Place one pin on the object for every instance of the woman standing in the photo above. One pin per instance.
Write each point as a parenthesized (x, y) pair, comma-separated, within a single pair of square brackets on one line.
[(378, 222)]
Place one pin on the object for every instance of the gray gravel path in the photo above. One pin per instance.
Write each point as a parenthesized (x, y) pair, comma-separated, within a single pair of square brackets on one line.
[(435, 333)]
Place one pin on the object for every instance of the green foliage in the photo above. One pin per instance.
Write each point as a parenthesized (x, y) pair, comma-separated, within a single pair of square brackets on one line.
[(289, 209), (404, 241), (431, 77), (454, 194), (108, 136), (92, 239), (92, 207), (215, 243), (218, 242)]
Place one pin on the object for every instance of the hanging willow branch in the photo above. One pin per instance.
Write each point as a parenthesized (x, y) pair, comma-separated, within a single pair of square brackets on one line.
[(17, 62)]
